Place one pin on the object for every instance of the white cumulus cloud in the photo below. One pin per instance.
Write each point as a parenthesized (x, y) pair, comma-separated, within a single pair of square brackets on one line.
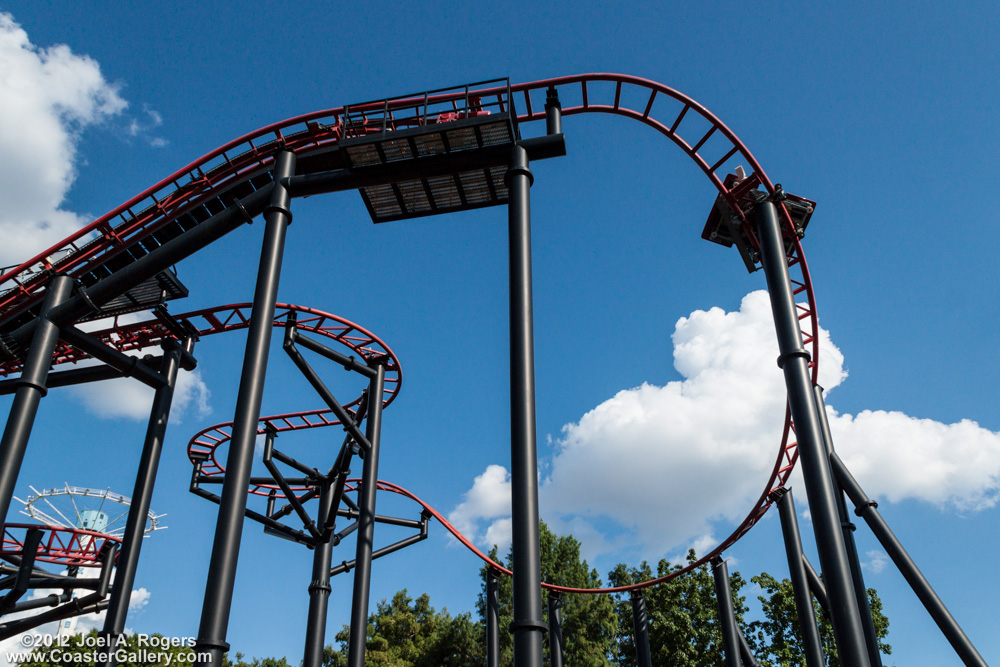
[(488, 498), (664, 468), (139, 599), (899, 457), (47, 97), (130, 399)]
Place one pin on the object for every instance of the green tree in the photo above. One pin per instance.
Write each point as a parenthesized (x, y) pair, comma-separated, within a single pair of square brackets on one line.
[(684, 627), (683, 615), (588, 622), (404, 632), (256, 662), (777, 640)]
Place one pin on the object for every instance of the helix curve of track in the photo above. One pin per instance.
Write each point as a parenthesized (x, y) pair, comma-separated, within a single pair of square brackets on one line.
[(129, 231), (203, 447)]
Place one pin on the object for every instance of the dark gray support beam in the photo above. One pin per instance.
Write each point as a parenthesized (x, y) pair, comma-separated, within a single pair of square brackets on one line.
[(345, 417), (142, 494), (349, 363), (284, 485), (30, 389), (640, 630), (820, 486), (128, 366), (816, 585), (92, 602), (88, 604), (348, 565), (68, 378), (381, 518), (229, 528), (22, 580), (53, 600), (727, 615), (367, 494), (319, 587), (811, 646), (555, 629), (492, 618), (341, 469), (745, 654), (866, 509), (528, 626), (553, 113)]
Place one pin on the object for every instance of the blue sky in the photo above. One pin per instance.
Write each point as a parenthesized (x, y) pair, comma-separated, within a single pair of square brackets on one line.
[(883, 115)]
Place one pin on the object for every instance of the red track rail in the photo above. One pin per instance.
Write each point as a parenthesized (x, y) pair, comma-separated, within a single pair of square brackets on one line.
[(397, 489), (206, 443), (233, 317), (63, 546), (703, 137)]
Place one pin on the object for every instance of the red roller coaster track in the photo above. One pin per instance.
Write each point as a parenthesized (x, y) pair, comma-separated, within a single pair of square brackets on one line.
[(63, 546), (234, 317), (191, 194)]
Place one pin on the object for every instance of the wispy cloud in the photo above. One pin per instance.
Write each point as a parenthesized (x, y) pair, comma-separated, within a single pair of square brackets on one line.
[(144, 127), (877, 561)]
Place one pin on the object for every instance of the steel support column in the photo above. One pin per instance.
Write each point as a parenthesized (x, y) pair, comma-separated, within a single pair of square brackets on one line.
[(640, 630), (866, 509), (229, 529), (848, 527), (820, 486), (30, 389), (319, 587), (492, 618), (816, 585), (555, 629), (811, 646), (553, 112), (366, 524), (528, 627), (748, 659), (142, 493), (727, 615)]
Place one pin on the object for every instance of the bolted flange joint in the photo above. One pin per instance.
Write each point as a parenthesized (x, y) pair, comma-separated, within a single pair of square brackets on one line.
[(794, 353), (320, 587), (519, 626)]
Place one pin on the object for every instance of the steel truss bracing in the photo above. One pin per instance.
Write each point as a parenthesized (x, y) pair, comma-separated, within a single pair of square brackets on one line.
[(410, 156), (319, 532)]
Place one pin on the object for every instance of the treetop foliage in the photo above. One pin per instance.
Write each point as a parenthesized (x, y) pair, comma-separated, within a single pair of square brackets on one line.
[(597, 630)]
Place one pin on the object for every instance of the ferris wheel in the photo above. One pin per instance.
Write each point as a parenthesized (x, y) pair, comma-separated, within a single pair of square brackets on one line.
[(78, 532), (98, 510)]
